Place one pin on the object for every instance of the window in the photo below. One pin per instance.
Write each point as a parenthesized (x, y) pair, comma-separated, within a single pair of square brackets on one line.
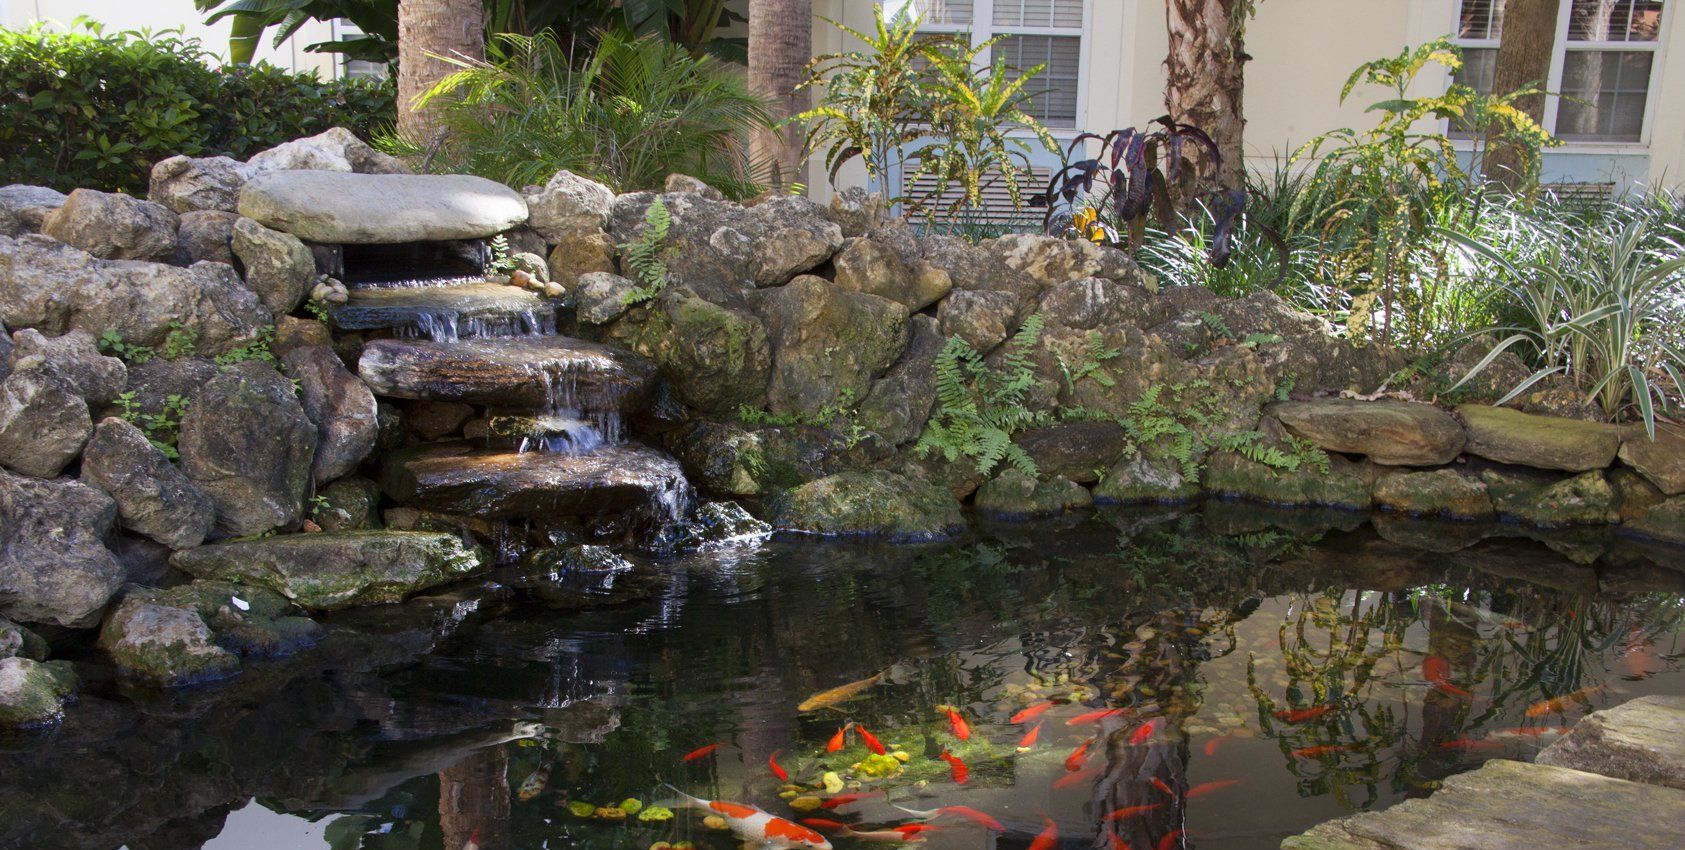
[(1033, 32), (1602, 64)]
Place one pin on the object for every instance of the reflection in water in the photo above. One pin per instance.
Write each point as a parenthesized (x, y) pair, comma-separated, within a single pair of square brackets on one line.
[(1229, 677)]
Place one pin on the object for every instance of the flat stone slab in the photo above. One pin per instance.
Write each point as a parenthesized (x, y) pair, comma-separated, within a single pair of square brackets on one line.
[(335, 570), (446, 313), (1396, 433), (1642, 740), (461, 479), (518, 373), (1510, 805), (1542, 442), (1662, 460), (344, 208)]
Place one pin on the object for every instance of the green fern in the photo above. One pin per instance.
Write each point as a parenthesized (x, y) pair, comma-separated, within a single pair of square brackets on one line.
[(643, 256), (979, 409), (1094, 355)]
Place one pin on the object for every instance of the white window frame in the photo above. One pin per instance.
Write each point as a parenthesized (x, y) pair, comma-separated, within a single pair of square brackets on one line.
[(1558, 63), (982, 28)]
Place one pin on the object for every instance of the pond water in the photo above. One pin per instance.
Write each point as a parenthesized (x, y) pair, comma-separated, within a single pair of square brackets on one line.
[(1272, 670)]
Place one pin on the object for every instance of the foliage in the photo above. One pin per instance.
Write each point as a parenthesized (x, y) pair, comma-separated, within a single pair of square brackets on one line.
[(979, 409), (258, 349), (251, 19), (1095, 353), (842, 415), (498, 260), (1182, 422), (86, 108), (180, 341), (162, 428), (634, 111), (643, 255)]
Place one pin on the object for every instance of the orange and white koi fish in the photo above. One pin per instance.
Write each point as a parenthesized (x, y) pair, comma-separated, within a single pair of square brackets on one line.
[(534, 784), (1529, 732), (837, 740), (1029, 739), (1130, 811), (701, 752), (838, 695), (881, 836), (956, 768), (1558, 705), (754, 826), (473, 842), (1205, 788), (1049, 837), (844, 799), (871, 741), (1078, 778), (957, 724), (1078, 757), (1143, 733), (1300, 715), (778, 770), (1093, 716), (982, 819), (1032, 712), (909, 830)]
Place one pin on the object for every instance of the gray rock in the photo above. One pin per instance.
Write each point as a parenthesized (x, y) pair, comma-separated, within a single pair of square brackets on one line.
[(734, 459), (1078, 450), (900, 402), (1662, 460), (1542, 442), (198, 184), (568, 204), (205, 236), (114, 227), (341, 405), (720, 524), (75, 357), (1015, 495), (44, 422), (1640, 741), (5, 352), (721, 250), (798, 248), (32, 694), (279, 268), (153, 497), (534, 373), (691, 186), (1092, 303), (456, 478), (856, 211), (163, 645), (17, 641), (1145, 479), (1664, 521), (600, 297), (1344, 486), (247, 442), (23, 208), (864, 265), (877, 503), (54, 567), (340, 208), (52, 287), (1389, 432), (1549, 500), (1438, 492), (983, 318), (811, 323), (245, 620), (1049, 260), (334, 149), (348, 504), (332, 571), (154, 382)]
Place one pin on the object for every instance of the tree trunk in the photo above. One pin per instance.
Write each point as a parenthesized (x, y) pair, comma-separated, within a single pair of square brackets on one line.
[(780, 46), (1524, 50), (428, 30), (1204, 76)]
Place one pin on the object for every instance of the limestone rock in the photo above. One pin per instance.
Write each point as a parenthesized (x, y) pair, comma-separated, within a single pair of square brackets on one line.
[(17, 641), (245, 620), (1542, 442), (864, 265), (579, 253), (1545, 500), (875, 503), (53, 287), (23, 208), (334, 149), (721, 250), (431, 420), (811, 323), (332, 571), (362, 209), (601, 297), (1439, 492), (205, 236), (44, 422), (1662, 460), (114, 227), (1050, 260), (1095, 303), (1145, 479), (54, 567), (1665, 522), (348, 504), (1395, 433), (568, 204), (1229, 474), (1634, 493), (900, 402), (691, 186), (247, 442), (1077, 450), (1642, 740), (32, 693), (157, 380), (153, 497), (720, 524), (1014, 495), (717, 358), (279, 268), (856, 211), (539, 373), (341, 405), (198, 184), (796, 249), (737, 460), (163, 645), (983, 318)]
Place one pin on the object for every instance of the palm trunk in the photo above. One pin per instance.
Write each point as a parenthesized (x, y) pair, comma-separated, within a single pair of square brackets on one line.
[(780, 45), (1204, 76), (1524, 51), (427, 31)]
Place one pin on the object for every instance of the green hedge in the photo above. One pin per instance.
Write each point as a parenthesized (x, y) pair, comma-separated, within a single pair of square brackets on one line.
[(97, 110)]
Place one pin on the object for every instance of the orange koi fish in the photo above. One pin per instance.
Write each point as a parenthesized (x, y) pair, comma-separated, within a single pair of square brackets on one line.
[(1300, 715), (837, 740), (534, 784), (1205, 788), (956, 768), (1093, 716), (957, 724), (1169, 840), (1117, 842), (824, 823), (1077, 778), (754, 826), (871, 741), (701, 752), (845, 799), (1029, 739), (908, 830), (1320, 750), (1437, 671), (839, 694), (777, 770), (1130, 811), (1162, 786), (1558, 705), (880, 836), (1212, 745), (1032, 712), (1471, 744), (1078, 757), (973, 815), (1529, 731), (1049, 837), (1144, 732)]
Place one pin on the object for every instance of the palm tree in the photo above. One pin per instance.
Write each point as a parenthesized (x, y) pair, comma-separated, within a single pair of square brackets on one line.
[(1524, 49), (429, 33), (1205, 73), (780, 46)]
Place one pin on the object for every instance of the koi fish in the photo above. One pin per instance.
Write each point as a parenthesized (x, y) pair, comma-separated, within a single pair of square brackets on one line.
[(956, 768), (1130, 811), (1212, 745), (1144, 732), (1162, 786), (1471, 744), (1029, 739), (1032, 712), (1300, 715), (837, 740), (473, 842), (777, 771), (754, 826), (1118, 843), (1558, 705), (534, 784), (1093, 716), (880, 836), (701, 752), (845, 799), (871, 741), (1320, 750), (1049, 837), (973, 815), (957, 724), (1077, 778), (908, 830), (1078, 757), (1437, 671), (838, 695), (1529, 731), (824, 823), (1205, 788), (1169, 840)]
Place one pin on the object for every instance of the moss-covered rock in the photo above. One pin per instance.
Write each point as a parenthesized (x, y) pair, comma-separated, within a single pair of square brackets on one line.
[(163, 645), (717, 358), (717, 524), (15, 640), (1661, 460), (348, 505), (1343, 486), (1548, 500), (331, 571), (1439, 492), (1665, 522), (1014, 494), (734, 459), (1145, 478), (246, 620), (828, 343), (1542, 442), (1390, 432), (877, 503), (32, 693)]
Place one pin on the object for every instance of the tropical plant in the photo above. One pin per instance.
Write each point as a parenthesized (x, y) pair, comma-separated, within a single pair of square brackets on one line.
[(643, 255), (978, 408), (250, 20), (635, 111)]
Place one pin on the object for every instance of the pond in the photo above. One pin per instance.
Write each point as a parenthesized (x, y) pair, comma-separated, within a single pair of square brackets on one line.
[(1217, 679)]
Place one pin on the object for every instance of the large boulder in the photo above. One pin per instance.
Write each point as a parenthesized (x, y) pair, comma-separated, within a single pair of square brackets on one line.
[(1146, 478), (246, 441), (721, 249), (279, 267), (984, 318), (17, 641), (828, 343), (1395, 433), (1549, 500), (348, 504), (738, 460), (581, 253), (75, 357), (205, 236), (717, 358), (1438, 492), (197, 184), (361, 209), (33, 693), (567, 205), (542, 373), (900, 402), (114, 227), (457, 478), (341, 405), (44, 422), (53, 287), (1642, 740), (333, 149), (602, 297), (23, 208), (864, 265), (1014, 494), (1078, 450), (717, 525), (332, 571), (1662, 460), (1049, 260), (1343, 486), (875, 503), (1664, 521), (153, 497), (163, 645), (1542, 442), (54, 567)]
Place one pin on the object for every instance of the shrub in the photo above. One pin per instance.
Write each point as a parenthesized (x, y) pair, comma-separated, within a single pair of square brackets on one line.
[(89, 109)]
